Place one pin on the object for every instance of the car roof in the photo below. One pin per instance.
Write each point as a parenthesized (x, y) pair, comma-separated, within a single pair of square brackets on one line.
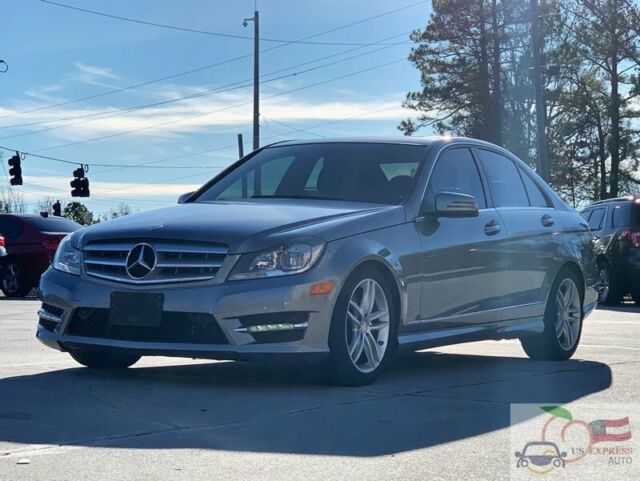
[(427, 141), (630, 199)]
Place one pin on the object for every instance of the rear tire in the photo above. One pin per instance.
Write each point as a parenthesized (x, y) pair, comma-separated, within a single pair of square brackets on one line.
[(15, 281), (103, 359), (363, 333), (610, 293), (562, 321)]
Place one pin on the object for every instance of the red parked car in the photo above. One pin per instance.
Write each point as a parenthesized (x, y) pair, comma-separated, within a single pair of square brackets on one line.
[(30, 241)]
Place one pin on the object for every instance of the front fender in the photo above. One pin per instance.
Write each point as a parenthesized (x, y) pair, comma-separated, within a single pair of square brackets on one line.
[(397, 250)]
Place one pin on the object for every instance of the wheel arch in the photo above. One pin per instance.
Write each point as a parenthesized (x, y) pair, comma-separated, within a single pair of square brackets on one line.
[(382, 265)]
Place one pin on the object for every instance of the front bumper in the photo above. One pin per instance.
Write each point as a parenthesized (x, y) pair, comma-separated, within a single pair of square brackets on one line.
[(229, 304)]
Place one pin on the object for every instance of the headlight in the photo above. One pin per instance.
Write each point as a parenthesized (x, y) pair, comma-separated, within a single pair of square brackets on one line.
[(291, 258), (67, 258)]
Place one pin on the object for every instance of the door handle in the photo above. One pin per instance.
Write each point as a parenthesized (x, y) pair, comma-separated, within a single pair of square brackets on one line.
[(547, 220), (492, 227)]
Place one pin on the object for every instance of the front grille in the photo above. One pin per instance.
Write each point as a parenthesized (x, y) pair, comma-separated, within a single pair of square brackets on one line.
[(176, 327), (175, 261)]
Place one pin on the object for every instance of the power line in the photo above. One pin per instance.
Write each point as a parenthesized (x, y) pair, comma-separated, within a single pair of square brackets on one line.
[(222, 89), (296, 129), (217, 64), (99, 198), (203, 32), (203, 114), (74, 162), (271, 137)]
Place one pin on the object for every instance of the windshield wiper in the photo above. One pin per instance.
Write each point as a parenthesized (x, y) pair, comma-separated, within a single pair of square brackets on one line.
[(293, 196)]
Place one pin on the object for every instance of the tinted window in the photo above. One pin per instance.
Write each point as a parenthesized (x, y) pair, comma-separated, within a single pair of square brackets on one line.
[(505, 183), (586, 214), (52, 224), (536, 196), (597, 219), (10, 227), (455, 171), (358, 172)]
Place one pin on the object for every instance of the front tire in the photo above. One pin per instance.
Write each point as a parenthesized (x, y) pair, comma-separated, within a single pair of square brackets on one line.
[(103, 359), (562, 322), (363, 330)]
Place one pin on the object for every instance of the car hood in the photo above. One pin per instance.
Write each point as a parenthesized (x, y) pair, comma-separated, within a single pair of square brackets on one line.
[(247, 226)]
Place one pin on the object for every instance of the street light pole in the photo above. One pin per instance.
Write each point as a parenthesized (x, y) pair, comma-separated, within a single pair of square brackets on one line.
[(256, 77), (541, 113)]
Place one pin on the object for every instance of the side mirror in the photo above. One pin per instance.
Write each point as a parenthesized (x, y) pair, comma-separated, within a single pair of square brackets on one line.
[(184, 197), (453, 204)]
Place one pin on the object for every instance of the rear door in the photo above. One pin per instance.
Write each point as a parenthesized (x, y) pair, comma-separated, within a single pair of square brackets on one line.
[(533, 229), (463, 258)]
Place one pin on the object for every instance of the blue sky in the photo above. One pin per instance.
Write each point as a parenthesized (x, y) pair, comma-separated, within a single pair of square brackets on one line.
[(56, 55)]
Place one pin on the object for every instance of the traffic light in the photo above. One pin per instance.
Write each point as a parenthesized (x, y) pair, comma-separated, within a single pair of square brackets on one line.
[(80, 184), (16, 170), (57, 209)]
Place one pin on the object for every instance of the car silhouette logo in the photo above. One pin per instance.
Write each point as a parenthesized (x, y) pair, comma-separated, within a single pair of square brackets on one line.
[(141, 261), (541, 454)]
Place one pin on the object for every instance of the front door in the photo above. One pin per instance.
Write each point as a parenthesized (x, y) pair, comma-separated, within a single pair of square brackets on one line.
[(462, 257)]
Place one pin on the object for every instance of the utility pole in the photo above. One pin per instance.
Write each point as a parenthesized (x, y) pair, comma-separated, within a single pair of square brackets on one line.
[(256, 77), (541, 112)]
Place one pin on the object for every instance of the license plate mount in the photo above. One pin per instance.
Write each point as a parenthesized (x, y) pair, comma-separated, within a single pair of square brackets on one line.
[(136, 309)]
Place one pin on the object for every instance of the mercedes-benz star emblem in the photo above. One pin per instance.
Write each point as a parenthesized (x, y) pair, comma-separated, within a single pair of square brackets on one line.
[(141, 261)]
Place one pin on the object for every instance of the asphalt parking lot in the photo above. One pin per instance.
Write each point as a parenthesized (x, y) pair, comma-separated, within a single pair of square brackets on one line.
[(438, 414)]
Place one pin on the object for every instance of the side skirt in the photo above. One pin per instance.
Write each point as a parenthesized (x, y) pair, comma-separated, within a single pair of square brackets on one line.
[(479, 332)]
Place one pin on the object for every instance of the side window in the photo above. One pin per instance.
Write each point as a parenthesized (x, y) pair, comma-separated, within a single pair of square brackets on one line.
[(586, 214), (504, 179), (455, 171), (536, 196), (597, 219), (621, 215)]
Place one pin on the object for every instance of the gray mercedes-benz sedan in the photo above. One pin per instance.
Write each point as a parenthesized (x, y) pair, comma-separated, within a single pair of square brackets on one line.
[(335, 251)]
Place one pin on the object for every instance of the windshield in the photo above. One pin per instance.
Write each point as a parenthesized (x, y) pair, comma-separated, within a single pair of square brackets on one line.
[(358, 172)]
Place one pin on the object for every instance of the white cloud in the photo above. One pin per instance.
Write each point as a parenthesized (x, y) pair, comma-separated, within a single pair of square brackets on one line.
[(55, 186), (93, 75), (220, 111)]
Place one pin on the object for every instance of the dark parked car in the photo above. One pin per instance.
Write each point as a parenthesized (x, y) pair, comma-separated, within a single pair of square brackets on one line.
[(336, 250), (31, 242), (615, 227)]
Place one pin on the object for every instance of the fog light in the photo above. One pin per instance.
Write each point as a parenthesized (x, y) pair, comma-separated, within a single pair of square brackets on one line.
[(285, 326)]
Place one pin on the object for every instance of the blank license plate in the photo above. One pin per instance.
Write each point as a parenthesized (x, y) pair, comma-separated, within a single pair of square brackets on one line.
[(143, 310)]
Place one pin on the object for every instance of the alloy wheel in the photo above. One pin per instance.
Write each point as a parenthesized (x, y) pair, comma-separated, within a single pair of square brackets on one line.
[(367, 326), (568, 314)]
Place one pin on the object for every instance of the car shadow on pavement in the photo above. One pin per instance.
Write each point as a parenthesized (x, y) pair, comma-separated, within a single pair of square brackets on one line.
[(423, 399)]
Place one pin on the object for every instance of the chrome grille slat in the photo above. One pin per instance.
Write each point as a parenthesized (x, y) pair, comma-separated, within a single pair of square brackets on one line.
[(177, 261)]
